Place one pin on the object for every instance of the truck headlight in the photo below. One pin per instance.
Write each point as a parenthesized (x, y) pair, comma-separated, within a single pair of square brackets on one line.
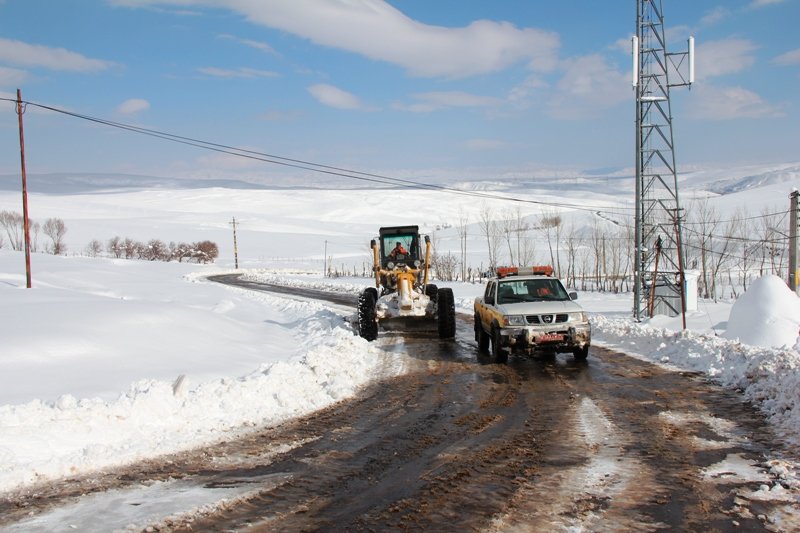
[(514, 320), (578, 317)]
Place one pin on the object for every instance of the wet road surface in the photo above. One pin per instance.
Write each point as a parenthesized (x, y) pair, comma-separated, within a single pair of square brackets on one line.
[(461, 444)]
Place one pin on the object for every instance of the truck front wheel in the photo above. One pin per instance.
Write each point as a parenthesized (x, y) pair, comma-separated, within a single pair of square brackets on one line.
[(581, 353), (498, 353), (480, 336)]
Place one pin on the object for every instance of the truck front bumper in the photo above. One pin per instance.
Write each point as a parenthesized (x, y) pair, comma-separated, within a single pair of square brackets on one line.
[(529, 339)]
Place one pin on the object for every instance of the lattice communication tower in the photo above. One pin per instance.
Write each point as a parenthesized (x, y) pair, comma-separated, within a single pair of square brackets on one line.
[(659, 268)]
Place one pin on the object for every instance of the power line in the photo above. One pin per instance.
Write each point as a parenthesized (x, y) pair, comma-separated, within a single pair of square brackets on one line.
[(744, 219), (311, 166)]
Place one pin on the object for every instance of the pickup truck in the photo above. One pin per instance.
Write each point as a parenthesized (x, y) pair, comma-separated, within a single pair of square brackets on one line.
[(527, 311)]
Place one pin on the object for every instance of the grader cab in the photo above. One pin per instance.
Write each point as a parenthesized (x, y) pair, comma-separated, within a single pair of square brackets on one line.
[(401, 266)]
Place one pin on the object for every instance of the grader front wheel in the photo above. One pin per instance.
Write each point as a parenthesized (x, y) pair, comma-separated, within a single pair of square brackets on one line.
[(367, 324)]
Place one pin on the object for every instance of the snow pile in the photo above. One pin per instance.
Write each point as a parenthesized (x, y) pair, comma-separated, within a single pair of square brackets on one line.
[(768, 315), (179, 364)]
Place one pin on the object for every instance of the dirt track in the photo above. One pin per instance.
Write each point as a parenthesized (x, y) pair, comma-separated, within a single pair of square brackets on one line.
[(459, 444)]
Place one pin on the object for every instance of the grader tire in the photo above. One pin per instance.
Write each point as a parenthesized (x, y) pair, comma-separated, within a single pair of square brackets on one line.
[(446, 306), (367, 323)]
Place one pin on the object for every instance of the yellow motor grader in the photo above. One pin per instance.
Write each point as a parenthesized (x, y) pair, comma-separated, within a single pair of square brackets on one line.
[(401, 287)]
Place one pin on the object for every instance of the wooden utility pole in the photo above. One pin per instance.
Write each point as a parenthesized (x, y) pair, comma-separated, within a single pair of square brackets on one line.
[(25, 221), (794, 220), (235, 247)]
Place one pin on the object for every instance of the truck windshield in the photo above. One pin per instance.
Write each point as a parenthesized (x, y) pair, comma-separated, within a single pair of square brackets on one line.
[(531, 290), (398, 247)]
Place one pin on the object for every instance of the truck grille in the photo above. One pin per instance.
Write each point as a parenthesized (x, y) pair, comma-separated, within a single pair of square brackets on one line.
[(547, 319)]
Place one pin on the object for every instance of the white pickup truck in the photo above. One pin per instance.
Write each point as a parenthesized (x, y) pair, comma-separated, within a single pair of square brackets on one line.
[(528, 310)]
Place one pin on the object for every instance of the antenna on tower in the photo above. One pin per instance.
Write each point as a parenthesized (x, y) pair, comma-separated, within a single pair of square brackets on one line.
[(659, 269)]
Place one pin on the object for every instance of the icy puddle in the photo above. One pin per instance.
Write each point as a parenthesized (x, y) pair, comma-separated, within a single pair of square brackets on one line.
[(136, 508)]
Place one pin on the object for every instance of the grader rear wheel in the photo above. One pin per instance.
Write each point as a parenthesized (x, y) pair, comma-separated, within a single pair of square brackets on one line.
[(445, 303)]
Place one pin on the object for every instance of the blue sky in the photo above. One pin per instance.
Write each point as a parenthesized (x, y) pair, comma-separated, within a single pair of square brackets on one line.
[(405, 87)]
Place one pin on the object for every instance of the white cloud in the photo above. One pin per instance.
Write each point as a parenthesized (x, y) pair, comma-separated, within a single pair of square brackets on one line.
[(727, 103), (522, 94), (10, 77), (727, 56), (377, 30), (588, 86), (334, 97), (762, 3), (133, 106), (791, 57), (258, 45), (32, 55), (434, 101), (241, 72), (715, 15)]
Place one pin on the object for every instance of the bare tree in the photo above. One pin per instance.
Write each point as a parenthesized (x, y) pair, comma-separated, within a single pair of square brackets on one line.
[(114, 247), (13, 224), (489, 229), (130, 247), (157, 250), (550, 222), (463, 222), (206, 251), (702, 223), (94, 248), (771, 243), (573, 242), (56, 229), (35, 228), (445, 266), (508, 228)]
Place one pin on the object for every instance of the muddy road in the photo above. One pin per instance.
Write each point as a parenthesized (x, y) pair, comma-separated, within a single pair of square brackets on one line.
[(460, 444)]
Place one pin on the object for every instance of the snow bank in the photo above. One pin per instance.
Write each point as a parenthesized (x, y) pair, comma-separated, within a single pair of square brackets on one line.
[(156, 363), (768, 315)]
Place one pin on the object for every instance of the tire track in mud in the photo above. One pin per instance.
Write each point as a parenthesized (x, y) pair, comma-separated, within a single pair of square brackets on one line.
[(458, 443)]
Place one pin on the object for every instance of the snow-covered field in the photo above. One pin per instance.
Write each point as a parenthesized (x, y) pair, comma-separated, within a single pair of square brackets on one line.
[(107, 361)]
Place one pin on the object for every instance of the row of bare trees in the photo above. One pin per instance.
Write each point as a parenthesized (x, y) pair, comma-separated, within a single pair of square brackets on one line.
[(155, 250), (726, 253), (13, 225), (55, 230)]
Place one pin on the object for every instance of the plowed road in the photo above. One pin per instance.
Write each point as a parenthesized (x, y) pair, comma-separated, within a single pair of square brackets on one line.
[(460, 444)]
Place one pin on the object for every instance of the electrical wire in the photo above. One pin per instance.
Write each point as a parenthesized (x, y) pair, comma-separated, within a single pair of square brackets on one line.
[(311, 166)]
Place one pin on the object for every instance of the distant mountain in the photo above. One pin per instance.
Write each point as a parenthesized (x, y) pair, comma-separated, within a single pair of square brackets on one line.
[(729, 181), (73, 183), (613, 182)]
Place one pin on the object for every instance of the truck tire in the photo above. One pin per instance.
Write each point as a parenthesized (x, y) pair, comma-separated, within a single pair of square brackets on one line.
[(367, 325), (499, 355), (446, 307), (480, 336), (581, 353)]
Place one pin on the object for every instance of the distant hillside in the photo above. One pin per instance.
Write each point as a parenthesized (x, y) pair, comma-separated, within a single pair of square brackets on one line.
[(729, 181), (73, 183)]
